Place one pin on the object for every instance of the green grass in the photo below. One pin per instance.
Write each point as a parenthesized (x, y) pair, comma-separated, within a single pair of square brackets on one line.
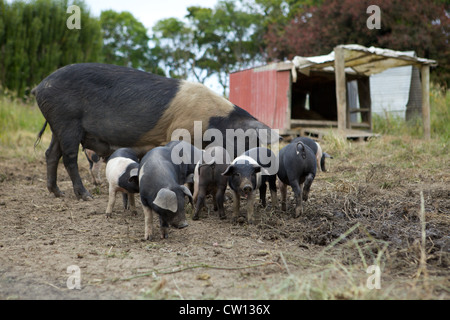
[(440, 119), (19, 126)]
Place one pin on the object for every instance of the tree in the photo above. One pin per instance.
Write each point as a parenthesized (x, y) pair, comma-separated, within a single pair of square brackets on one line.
[(35, 41), (126, 43), (174, 44), (212, 42), (226, 38), (419, 25)]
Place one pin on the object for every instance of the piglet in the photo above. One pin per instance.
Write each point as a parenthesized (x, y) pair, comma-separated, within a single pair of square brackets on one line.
[(122, 175), (208, 179), (188, 154), (268, 161), (244, 178), (297, 168), (162, 190), (95, 164), (317, 149)]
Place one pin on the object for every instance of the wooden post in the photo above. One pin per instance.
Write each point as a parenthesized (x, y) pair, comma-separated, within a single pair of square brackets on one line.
[(341, 90), (365, 101), (425, 73)]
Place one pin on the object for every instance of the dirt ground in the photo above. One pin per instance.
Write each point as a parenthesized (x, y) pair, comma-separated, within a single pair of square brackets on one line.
[(356, 216)]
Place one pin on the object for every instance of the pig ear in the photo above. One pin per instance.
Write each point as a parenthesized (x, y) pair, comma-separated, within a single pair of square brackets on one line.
[(257, 168), (190, 178), (188, 193), (229, 171), (166, 199), (133, 175)]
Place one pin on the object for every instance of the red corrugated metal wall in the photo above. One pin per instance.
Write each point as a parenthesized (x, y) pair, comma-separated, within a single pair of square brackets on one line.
[(265, 94)]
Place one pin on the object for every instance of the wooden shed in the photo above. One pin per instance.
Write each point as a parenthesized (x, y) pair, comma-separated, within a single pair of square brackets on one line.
[(308, 93)]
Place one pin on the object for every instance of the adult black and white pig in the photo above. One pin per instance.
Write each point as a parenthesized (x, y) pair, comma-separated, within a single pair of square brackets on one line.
[(268, 161), (106, 107), (297, 168), (317, 149), (162, 190), (208, 179), (122, 175), (244, 178)]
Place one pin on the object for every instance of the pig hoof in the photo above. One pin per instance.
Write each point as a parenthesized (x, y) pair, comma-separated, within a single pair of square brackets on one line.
[(108, 215), (298, 212), (241, 220), (134, 212), (85, 196), (164, 236), (58, 193), (148, 238), (196, 217)]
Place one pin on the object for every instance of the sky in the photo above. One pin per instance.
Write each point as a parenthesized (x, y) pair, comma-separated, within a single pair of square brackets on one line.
[(148, 11)]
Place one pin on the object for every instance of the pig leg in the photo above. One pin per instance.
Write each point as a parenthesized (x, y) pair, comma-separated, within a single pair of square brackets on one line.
[(283, 191), (132, 202), (220, 197), (52, 155), (298, 189), (307, 186), (199, 204), (95, 172), (262, 193), (236, 206), (111, 201), (164, 228), (91, 164), (125, 201), (148, 218), (251, 208), (273, 191), (214, 200), (69, 143)]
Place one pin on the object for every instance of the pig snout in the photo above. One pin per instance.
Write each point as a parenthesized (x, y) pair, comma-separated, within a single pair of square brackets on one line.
[(180, 225), (247, 189)]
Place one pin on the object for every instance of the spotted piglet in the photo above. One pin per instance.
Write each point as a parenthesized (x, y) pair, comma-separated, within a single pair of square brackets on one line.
[(244, 179), (122, 175)]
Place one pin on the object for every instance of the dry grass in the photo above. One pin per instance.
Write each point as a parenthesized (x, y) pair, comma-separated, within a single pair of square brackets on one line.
[(385, 202)]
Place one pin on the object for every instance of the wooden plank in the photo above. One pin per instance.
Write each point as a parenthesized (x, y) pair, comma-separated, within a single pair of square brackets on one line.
[(359, 110), (319, 133), (425, 72), (301, 122), (360, 125), (365, 101), (341, 90)]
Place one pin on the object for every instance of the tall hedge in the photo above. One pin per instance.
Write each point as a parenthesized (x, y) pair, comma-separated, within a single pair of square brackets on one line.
[(35, 41)]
